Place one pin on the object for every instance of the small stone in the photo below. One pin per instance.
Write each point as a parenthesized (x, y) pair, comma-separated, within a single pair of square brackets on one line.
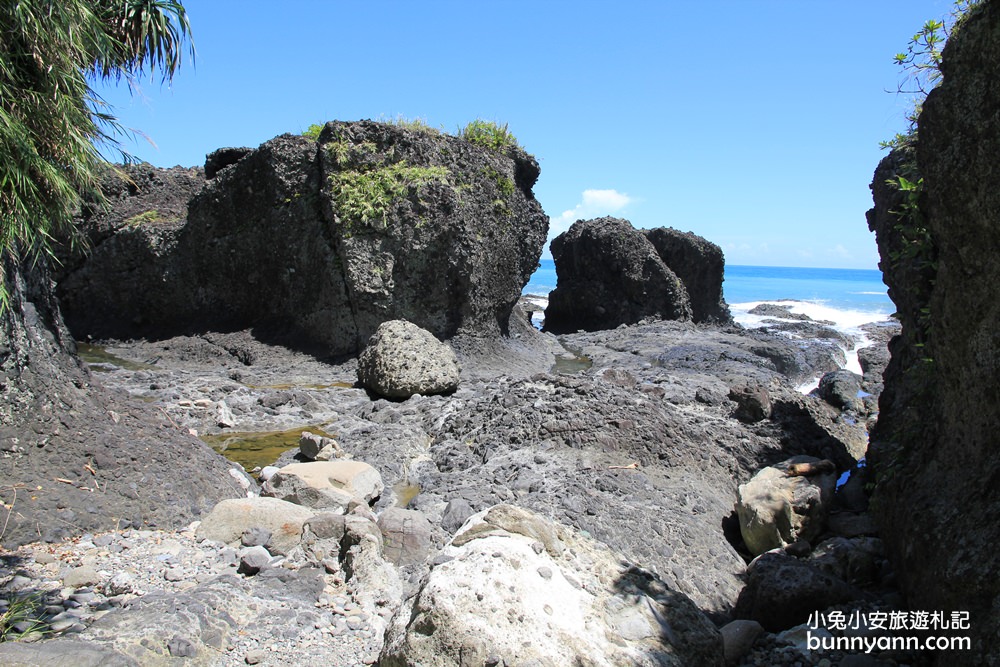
[(104, 540), (173, 574), (180, 647), (81, 576), (254, 657), (256, 536), (253, 560), (44, 557), (545, 572)]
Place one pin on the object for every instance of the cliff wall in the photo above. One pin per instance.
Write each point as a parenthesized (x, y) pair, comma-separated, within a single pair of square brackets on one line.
[(935, 448)]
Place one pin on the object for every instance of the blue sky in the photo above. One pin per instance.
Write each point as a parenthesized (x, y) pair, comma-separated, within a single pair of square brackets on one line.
[(754, 123)]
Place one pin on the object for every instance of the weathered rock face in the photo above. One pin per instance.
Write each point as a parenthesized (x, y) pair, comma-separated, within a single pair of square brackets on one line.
[(74, 459), (701, 267), (317, 242), (402, 359), (517, 588), (611, 273), (935, 446)]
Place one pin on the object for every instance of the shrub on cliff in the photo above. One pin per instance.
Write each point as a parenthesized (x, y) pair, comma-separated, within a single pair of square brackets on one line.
[(490, 134), (54, 123)]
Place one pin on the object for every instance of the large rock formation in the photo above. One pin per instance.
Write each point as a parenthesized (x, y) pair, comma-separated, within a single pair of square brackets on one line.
[(935, 445), (315, 243), (75, 457), (700, 265), (611, 273)]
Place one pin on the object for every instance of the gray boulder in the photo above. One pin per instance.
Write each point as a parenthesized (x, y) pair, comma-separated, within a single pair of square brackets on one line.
[(406, 536), (522, 589), (230, 519), (402, 359), (326, 484)]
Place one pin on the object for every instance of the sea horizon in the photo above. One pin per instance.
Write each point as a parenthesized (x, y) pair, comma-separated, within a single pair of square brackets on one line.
[(848, 297)]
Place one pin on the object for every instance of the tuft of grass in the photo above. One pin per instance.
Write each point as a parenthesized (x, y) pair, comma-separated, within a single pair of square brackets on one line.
[(146, 218), (413, 124), (490, 134), (23, 611)]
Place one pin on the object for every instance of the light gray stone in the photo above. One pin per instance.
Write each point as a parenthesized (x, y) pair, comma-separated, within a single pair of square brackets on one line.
[(406, 536), (230, 518), (326, 484), (489, 603)]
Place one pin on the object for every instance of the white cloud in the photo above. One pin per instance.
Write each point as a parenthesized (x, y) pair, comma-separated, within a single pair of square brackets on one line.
[(594, 204)]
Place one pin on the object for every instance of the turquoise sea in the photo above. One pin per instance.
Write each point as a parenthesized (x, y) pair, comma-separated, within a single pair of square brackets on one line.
[(850, 297)]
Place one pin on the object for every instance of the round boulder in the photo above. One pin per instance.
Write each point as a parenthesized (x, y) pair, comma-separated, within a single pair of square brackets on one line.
[(401, 360), (785, 503)]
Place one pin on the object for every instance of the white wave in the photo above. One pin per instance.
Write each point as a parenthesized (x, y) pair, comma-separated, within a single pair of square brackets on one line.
[(847, 321)]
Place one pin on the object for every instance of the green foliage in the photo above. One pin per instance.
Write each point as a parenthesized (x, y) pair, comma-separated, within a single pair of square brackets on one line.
[(505, 186), (921, 63), (364, 188), (313, 131), (52, 123), (489, 134)]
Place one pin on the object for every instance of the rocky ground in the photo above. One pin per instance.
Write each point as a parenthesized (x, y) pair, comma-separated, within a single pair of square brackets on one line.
[(640, 447)]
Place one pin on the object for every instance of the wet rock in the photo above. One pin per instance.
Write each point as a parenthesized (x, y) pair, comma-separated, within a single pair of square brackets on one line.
[(841, 389)]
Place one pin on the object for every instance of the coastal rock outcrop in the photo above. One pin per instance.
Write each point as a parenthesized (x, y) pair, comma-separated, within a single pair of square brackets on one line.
[(315, 243), (934, 449), (700, 265), (610, 273), (514, 587)]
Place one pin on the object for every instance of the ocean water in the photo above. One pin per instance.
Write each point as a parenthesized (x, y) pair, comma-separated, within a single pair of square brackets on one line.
[(854, 296), (850, 298)]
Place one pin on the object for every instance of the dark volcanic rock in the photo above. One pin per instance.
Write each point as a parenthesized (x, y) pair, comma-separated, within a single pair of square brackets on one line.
[(76, 457), (782, 591), (701, 267), (219, 159), (610, 274), (841, 389), (317, 243), (935, 445)]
